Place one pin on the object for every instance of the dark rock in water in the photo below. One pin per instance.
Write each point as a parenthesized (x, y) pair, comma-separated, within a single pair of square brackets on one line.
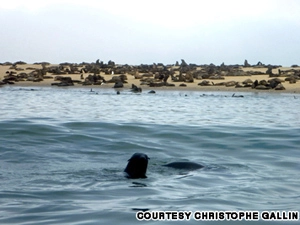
[(118, 93), (118, 85), (151, 92)]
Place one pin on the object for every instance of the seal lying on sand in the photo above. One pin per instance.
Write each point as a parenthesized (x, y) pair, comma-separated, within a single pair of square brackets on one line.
[(137, 166)]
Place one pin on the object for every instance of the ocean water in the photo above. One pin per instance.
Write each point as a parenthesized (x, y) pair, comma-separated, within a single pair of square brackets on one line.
[(63, 152)]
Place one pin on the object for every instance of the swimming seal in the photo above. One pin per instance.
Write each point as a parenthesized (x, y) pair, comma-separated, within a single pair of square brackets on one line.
[(184, 165), (137, 166)]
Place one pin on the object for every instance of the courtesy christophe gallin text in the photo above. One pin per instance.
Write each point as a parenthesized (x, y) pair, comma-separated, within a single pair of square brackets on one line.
[(218, 215)]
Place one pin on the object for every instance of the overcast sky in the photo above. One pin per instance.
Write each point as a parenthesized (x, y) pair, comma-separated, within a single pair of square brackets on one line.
[(147, 31)]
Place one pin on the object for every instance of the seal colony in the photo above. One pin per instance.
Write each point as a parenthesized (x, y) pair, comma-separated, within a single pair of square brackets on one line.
[(182, 75), (138, 163)]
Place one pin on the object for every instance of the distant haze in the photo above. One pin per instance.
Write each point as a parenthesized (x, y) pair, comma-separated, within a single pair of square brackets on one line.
[(160, 31)]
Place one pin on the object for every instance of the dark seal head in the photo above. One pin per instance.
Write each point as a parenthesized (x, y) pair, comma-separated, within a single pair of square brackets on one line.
[(137, 166)]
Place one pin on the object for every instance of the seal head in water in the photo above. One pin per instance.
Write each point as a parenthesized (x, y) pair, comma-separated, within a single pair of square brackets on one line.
[(137, 166)]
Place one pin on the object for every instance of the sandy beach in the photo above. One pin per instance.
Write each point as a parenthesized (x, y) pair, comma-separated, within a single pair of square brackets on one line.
[(49, 74)]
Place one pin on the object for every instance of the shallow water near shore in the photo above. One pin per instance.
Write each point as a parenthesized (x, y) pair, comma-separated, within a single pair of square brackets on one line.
[(63, 151)]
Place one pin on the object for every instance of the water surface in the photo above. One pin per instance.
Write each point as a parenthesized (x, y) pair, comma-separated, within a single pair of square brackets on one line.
[(63, 152)]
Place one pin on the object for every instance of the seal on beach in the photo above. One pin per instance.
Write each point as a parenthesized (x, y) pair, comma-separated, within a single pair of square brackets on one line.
[(137, 166)]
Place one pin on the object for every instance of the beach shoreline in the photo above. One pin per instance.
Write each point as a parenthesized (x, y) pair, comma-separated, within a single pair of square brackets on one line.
[(136, 78), (156, 89)]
